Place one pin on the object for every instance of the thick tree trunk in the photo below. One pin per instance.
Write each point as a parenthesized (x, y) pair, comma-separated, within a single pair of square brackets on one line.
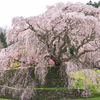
[(56, 60), (64, 75), (56, 77)]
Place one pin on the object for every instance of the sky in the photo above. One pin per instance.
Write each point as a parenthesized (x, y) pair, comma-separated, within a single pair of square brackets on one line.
[(26, 8)]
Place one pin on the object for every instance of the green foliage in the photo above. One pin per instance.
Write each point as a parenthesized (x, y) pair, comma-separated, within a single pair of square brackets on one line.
[(16, 64), (81, 78), (96, 5), (79, 84), (78, 74), (95, 91), (89, 3), (72, 50), (6, 99), (3, 39)]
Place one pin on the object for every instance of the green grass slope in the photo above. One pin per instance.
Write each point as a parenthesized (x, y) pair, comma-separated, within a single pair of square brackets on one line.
[(87, 78), (83, 99)]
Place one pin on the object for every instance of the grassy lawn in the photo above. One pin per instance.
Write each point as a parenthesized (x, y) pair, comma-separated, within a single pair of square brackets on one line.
[(83, 99), (63, 99), (6, 99)]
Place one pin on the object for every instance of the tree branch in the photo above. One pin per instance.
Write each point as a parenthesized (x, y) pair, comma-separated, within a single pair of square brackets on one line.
[(86, 40), (67, 59), (56, 36), (86, 51)]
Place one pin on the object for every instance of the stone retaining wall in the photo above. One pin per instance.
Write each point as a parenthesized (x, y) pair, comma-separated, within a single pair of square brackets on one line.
[(42, 94), (21, 83)]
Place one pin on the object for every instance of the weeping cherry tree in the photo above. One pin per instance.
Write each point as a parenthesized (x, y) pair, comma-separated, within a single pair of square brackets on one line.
[(64, 32)]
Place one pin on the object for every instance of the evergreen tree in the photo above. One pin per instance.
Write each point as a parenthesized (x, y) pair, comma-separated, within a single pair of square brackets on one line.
[(96, 5), (72, 50), (3, 39), (90, 3)]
